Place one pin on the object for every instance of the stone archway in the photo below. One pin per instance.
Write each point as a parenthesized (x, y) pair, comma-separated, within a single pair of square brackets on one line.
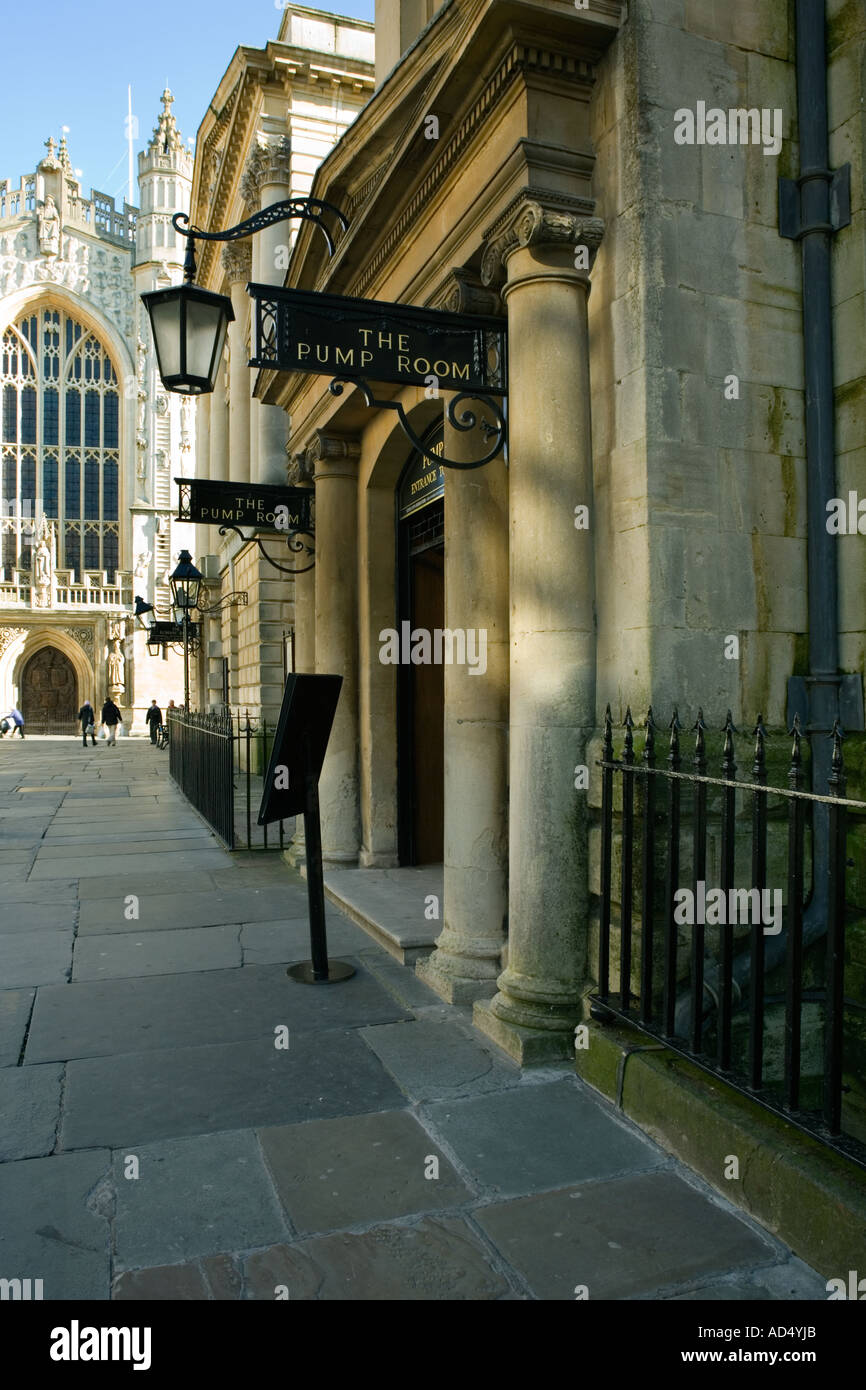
[(49, 692)]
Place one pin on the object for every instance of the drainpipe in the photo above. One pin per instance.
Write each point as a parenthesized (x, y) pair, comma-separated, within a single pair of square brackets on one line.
[(811, 209)]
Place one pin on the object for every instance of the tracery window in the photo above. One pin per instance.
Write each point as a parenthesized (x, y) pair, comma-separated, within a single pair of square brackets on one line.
[(59, 442)]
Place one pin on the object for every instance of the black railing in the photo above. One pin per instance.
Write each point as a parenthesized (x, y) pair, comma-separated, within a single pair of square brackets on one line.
[(253, 744), (789, 962), (200, 762)]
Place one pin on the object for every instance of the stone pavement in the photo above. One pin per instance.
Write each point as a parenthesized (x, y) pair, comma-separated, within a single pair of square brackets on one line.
[(158, 1143)]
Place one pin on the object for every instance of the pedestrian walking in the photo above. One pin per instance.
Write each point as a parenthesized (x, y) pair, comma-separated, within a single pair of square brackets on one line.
[(17, 719), (154, 719), (87, 720), (111, 717)]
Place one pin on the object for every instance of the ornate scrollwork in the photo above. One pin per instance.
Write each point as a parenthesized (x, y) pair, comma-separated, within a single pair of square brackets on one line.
[(468, 420), (294, 544), (307, 209)]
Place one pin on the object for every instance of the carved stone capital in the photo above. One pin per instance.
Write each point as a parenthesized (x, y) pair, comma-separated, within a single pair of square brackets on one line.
[(269, 162), (327, 448), (536, 218), (237, 261), (463, 293), (298, 469)]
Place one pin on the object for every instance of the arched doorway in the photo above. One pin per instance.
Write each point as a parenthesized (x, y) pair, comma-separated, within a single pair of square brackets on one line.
[(49, 692)]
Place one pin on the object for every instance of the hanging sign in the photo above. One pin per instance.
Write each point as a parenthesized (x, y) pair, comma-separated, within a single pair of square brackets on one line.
[(424, 482), (267, 507), (329, 335)]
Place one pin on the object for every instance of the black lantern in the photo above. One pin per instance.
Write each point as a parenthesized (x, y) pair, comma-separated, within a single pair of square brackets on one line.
[(140, 609), (189, 332), (185, 582)]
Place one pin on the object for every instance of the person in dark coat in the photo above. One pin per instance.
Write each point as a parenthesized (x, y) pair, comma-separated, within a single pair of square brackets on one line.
[(87, 720), (154, 719), (111, 717)]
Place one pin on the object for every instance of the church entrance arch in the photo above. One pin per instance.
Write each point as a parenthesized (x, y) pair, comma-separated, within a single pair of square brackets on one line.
[(49, 693)]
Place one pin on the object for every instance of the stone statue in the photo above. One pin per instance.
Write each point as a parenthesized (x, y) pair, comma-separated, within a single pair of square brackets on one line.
[(48, 223), (142, 562), (115, 668), (42, 565)]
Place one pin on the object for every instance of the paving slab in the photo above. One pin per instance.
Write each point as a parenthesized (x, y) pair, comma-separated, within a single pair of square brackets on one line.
[(214, 1277), (620, 1239), (131, 842), (784, 1283), (37, 916), (265, 943), (432, 1060), (29, 1110), (144, 885), (170, 911), (35, 958), (91, 1018), (145, 1096), (194, 859), (538, 1136), (54, 890), (55, 1223), (156, 953), (439, 1258), (335, 1173), (399, 980), (15, 1006), (194, 1197)]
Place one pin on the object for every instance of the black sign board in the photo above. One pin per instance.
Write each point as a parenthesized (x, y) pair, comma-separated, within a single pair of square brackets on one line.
[(330, 335), (424, 482), (306, 716), (267, 507)]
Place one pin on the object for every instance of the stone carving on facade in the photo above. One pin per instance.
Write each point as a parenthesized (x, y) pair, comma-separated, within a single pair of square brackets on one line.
[(185, 432), (78, 270), (249, 181), (463, 293), (298, 469), (142, 563), (8, 635), (161, 404), (43, 561), (539, 218), (48, 223), (116, 677), (84, 637), (237, 261)]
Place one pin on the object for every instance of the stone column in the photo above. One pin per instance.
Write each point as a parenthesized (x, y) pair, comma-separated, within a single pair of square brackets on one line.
[(273, 177), (467, 958), (300, 474), (237, 263), (202, 467), (335, 461), (219, 428), (552, 677)]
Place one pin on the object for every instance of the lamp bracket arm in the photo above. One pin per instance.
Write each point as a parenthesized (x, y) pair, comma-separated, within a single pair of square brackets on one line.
[(295, 546), (307, 209)]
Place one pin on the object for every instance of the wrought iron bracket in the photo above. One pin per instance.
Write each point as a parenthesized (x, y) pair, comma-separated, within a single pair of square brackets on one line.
[(295, 545), (306, 209), (238, 597), (467, 420)]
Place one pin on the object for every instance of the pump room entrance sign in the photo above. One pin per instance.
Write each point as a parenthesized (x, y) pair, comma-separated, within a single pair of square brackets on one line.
[(330, 335), (244, 504)]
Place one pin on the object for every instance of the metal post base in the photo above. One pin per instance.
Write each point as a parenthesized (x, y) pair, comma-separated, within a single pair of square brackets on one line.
[(304, 973)]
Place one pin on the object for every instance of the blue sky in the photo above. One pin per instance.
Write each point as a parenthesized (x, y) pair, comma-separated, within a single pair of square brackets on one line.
[(69, 64)]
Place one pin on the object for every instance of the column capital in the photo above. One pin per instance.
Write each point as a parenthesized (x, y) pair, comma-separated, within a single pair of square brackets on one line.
[(269, 162), (298, 469), (329, 448), (237, 261), (463, 293), (540, 218)]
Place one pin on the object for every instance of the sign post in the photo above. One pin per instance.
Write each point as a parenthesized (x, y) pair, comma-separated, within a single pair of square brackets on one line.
[(292, 788)]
